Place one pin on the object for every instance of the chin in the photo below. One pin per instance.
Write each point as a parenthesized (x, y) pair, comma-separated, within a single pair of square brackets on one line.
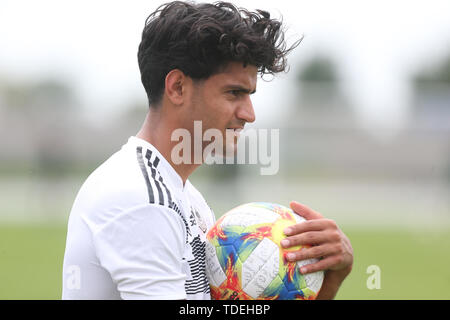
[(228, 151)]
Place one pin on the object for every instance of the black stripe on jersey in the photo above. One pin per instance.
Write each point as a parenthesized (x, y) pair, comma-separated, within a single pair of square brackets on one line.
[(177, 210), (201, 289), (167, 190), (158, 182), (148, 156), (156, 162), (199, 282), (140, 160)]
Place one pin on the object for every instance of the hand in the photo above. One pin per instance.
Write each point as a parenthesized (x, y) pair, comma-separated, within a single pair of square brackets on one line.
[(328, 243)]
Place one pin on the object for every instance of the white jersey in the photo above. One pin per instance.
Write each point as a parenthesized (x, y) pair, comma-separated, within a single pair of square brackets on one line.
[(135, 232)]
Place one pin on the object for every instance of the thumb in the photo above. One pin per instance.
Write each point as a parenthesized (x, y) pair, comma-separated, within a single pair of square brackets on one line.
[(304, 211)]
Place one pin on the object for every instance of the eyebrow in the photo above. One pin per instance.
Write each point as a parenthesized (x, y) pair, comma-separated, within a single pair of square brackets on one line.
[(240, 88)]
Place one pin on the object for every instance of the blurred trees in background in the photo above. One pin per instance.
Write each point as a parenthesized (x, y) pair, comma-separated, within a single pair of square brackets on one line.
[(34, 118), (320, 100), (431, 104), (318, 82), (438, 74), (43, 130)]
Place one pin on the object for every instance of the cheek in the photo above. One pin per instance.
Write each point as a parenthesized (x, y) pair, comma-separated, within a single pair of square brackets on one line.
[(220, 113)]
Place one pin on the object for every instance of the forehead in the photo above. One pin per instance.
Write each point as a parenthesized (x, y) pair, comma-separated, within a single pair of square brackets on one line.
[(236, 74)]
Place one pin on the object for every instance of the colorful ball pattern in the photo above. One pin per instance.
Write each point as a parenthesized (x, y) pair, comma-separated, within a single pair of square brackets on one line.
[(245, 261)]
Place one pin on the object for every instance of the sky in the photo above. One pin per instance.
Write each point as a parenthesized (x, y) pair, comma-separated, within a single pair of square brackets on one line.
[(376, 46)]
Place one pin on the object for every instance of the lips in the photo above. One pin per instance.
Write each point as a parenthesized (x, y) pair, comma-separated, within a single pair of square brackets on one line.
[(236, 131)]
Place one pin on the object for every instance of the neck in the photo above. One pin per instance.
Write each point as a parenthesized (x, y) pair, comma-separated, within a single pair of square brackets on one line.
[(158, 131)]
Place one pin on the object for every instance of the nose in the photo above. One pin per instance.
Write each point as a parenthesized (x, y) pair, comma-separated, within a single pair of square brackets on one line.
[(245, 111)]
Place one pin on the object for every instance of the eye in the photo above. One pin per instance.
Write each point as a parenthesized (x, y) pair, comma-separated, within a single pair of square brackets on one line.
[(235, 93)]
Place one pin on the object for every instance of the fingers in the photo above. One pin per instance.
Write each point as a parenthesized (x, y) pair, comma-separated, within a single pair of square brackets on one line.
[(311, 238), (304, 211), (315, 252), (310, 225), (328, 244), (324, 264)]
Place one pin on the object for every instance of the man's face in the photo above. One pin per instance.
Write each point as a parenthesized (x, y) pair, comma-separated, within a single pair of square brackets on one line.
[(223, 102)]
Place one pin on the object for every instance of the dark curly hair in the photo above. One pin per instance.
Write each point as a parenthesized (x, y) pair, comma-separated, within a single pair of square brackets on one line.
[(201, 39)]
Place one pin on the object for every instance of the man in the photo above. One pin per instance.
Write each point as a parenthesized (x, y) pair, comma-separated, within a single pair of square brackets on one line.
[(137, 227)]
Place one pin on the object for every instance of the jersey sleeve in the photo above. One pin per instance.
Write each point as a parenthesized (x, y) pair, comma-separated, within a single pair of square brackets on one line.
[(142, 249)]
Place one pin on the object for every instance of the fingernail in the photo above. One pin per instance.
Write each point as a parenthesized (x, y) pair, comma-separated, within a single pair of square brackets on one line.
[(303, 270), (287, 231), (290, 256), (285, 243)]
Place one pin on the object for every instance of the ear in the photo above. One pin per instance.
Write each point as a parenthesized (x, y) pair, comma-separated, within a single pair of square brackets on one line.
[(175, 86)]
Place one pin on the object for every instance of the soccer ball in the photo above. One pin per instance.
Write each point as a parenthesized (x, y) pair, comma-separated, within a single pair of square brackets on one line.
[(245, 261)]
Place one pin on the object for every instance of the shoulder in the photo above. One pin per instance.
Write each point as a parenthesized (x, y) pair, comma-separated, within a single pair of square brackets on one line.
[(117, 180), (121, 183)]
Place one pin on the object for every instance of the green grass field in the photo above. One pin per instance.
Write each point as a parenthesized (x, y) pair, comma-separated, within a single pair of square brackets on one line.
[(414, 265)]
